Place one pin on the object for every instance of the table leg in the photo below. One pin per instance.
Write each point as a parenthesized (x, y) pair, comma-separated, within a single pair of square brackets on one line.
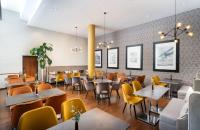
[(170, 90)]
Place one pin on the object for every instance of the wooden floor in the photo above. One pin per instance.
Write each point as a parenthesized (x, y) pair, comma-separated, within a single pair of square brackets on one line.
[(115, 109)]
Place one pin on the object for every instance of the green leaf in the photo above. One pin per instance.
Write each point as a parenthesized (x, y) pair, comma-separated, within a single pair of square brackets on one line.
[(41, 53)]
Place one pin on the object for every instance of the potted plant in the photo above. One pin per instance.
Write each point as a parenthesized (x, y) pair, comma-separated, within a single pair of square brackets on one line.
[(43, 58)]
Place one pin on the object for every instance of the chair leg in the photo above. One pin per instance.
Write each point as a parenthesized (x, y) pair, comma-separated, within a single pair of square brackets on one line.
[(135, 112), (130, 108), (142, 107), (110, 92), (95, 94), (124, 107), (117, 93), (86, 94), (145, 105)]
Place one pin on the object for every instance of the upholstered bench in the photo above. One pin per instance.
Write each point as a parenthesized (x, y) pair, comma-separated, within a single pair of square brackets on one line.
[(182, 91), (170, 114)]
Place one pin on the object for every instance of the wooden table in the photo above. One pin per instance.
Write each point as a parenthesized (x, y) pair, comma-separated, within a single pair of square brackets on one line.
[(154, 94), (94, 119), (21, 98)]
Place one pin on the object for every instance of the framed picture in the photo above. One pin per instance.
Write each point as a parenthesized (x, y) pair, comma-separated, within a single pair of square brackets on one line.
[(134, 57), (166, 56), (113, 58), (98, 58)]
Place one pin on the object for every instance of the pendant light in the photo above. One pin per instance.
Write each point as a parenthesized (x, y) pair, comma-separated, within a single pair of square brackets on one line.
[(179, 28), (104, 44)]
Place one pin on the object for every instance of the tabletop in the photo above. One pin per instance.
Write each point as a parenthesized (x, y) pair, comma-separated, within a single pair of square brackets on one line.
[(171, 81), (21, 98), (102, 81), (94, 119), (155, 94)]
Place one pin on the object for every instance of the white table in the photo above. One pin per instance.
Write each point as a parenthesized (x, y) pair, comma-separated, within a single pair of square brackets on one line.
[(21, 98), (170, 83), (154, 94), (94, 119)]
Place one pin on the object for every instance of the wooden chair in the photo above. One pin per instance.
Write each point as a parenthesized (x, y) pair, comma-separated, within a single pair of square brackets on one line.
[(55, 102), (18, 110), (20, 90), (44, 86)]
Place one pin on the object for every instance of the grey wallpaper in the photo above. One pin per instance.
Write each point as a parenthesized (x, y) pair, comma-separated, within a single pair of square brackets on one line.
[(147, 33)]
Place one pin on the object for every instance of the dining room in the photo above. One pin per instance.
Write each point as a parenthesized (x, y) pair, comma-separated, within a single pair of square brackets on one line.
[(102, 65)]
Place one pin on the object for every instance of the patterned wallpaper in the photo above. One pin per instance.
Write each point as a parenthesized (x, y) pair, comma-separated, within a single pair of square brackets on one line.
[(147, 33)]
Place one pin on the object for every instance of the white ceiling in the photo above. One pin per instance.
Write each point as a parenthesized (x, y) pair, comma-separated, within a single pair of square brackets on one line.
[(64, 15)]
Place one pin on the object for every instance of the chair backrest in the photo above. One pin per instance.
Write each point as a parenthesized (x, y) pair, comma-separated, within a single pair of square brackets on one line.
[(69, 75), (56, 101), (102, 87), (127, 90), (136, 85), (21, 90), (60, 76), (38, 119), (141, 79), (155, 80), (13, 76), (14, 80), (111, 76), (44, 86), (88, 85), (76, 74), (121, 77), (18, 110), (99, 74), (76, 80), (67, 106)]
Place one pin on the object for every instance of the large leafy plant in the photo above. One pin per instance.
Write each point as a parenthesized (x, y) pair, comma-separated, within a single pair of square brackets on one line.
[(41, 53)]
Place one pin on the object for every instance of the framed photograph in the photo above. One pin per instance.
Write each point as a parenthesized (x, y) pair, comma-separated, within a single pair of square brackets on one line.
[(98, 58), (113, 58), (134, 57), (166, 56)]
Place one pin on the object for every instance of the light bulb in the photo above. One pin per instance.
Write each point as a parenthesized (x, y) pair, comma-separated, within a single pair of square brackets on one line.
[(188, 27), (97, 47), (176, 41), (160, 32), (190, 34), (108, 46), (162, 37), (179, 25), (111, 42)]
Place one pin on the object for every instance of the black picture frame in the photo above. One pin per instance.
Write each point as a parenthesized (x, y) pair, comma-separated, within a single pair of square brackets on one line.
[(177, 45), (141, 57), (117, 57), (98, 66)]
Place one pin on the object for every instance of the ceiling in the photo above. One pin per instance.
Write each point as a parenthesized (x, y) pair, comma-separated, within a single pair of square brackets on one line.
[(64, 15)]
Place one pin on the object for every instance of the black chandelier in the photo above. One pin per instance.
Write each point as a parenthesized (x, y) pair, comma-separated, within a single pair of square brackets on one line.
[(178, 29), (105, 43)]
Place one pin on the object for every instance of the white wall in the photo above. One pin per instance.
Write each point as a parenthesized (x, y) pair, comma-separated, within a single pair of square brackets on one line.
[(16, 39)]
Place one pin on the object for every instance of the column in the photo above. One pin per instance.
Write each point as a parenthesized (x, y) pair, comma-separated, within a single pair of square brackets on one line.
[(91, 50)]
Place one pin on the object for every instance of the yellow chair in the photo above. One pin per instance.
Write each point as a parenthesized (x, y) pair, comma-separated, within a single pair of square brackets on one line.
[(155, 80), (38, 119), (130, 98), (60, 77), (66, 108), (136, 87), (76, 74)]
